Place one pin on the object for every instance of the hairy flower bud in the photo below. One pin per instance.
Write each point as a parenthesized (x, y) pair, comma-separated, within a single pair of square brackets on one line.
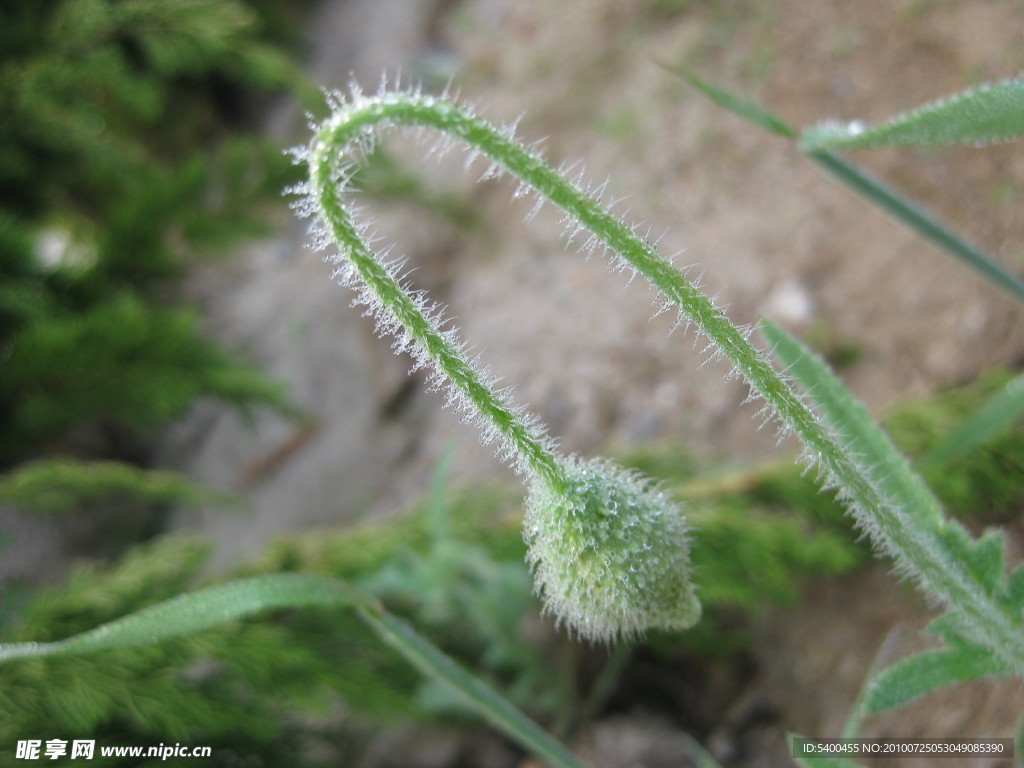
[(611, 553)]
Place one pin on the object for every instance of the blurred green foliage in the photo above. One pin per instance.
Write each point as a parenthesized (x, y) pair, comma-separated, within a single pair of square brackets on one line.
[(258, 692), (984, 483), (124, 158), (455, 567), (239, 691), (60, 485)]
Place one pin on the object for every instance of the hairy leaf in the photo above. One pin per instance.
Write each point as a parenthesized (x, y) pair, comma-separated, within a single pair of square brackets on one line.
[(926, 671), (208, 607), (196, 611), (847, 417), (981, 115)]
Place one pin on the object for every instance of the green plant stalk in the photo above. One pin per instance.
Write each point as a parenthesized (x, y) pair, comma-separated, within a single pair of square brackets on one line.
[(496, 709), (601, 592), (326, 164), (909, 535), (919, 221), (887, 468)]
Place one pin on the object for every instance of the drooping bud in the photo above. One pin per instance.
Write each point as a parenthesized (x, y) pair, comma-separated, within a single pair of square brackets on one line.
[(610, 553)]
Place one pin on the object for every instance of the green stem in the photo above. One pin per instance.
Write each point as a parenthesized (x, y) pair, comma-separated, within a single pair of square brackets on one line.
[(919, 221), (328, 165), (501, 714), (910, 536)]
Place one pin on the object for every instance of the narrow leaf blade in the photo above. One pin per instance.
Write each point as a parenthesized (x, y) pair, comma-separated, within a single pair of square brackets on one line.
[(982, 115), (996, 415), (484, 699), (748, 110), (920, 221), (197, 611), (214, 605), (924, 672), (869, 188)]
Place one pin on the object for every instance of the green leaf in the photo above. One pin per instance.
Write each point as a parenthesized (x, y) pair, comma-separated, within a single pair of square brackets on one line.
[(983, 557), (926, 671), (197, 611), (881, 461), (746, 109), (480, 696), (920, 221), (952, 626), (1014, 590), (61, 485), (996, 415), (938, 552), (981, 115)]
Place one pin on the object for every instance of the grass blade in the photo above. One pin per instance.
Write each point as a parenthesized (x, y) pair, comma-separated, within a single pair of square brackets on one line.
[(920, 221), (484, 699), (981, 115), (996, 415), (871, 189), (748, 110), (197, 611)]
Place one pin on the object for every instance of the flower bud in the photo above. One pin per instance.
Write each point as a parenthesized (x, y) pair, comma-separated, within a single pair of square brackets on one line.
[(610, 552)]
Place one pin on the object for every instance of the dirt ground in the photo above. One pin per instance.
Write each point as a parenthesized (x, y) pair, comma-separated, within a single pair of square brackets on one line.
[(771, 235)]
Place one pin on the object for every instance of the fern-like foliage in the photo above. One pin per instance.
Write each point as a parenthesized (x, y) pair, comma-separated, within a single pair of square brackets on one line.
[(105, 201), (59, 485)]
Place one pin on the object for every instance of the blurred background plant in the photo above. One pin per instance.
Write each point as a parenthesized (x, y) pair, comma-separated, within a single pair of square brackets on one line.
[(129, 152)]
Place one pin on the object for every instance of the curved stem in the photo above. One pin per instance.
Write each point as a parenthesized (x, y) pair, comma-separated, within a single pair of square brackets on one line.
[(912, 537), (327, 164)]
